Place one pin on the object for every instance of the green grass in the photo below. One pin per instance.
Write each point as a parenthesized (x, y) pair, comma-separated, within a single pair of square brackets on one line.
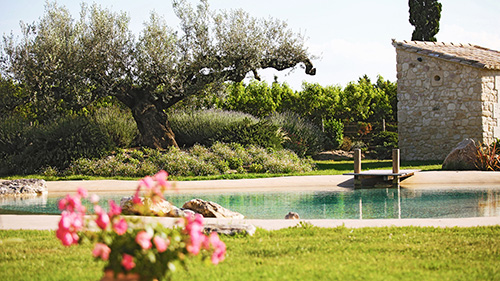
[(304, 253), (322, 168)]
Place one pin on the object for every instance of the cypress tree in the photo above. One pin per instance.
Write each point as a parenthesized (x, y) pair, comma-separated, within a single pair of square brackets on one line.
[(425, 16)]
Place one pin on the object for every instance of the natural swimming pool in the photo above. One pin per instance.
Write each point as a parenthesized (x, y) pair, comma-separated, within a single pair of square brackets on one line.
[(350, 204)]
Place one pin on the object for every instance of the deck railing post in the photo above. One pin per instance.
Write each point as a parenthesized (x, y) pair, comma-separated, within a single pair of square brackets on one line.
[(357, 161)]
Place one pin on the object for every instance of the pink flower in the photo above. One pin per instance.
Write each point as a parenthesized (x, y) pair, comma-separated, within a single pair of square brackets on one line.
[(144, 240), (101, 250), (197, 239), (219, 248), (82, 192), (77, 221), (114, 209), (161, 179), (128, 262), (66, 237), (161, 244), (137, 200), (147, 182), (120, 227), (69, 224), (62, 203), (102, 220), (194, 228), (97, 209), (72, 204), (94, 198), (65, 221)]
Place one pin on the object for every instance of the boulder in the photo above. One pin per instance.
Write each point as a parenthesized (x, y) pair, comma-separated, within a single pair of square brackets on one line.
[(292, 216), (210, 209), (462, 157), (23, 187), (162, 208), (230, 229)]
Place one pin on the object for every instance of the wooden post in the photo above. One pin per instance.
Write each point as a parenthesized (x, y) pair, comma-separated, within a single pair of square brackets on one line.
[(395, 161), (395, 167), (357, 161), (357, 168)]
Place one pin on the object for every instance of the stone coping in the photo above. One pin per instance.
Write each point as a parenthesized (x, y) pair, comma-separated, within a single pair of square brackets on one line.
[(50, 222)]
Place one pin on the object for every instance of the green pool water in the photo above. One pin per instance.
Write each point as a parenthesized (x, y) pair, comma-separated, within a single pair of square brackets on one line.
[(351, 204)]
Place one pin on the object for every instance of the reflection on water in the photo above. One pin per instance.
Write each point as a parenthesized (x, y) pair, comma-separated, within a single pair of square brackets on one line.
[(351, 204), (19, 204), (489, 205)]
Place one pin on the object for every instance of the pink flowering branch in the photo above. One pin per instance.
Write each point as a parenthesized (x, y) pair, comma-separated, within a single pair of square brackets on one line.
[(135, 243)]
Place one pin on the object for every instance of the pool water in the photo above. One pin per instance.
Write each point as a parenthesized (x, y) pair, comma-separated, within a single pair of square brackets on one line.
[(352, 204)]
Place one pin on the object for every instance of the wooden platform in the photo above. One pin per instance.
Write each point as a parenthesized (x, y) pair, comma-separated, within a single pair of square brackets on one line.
[(380, 178)]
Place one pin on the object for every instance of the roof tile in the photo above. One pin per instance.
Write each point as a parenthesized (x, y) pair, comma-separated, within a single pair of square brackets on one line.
[(467, 54)]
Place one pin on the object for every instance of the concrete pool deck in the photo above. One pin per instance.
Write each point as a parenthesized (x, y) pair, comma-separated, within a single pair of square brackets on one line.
[(421, 180)]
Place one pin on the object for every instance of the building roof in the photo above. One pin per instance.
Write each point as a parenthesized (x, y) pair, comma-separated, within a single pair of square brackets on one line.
[(467, 54)]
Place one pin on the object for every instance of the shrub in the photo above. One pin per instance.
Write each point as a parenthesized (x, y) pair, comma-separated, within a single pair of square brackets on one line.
[(118, 124), (383, 143), (334, 130), (227, 153), (198, 161), (54, 144), (247, 132), (487, 158), (359, 145), (301, 136), (201, 126), (14, 138), (346, 144)]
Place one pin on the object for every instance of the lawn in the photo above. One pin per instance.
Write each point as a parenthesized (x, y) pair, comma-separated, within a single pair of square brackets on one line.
[(322, 168), (300, 253)]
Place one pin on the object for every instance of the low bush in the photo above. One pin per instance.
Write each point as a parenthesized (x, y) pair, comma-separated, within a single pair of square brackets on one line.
[(202, 126), (30, 149), (346, 144), (197, 161), (487, 158), (383, 143), (301, 136), (247, 132), (118, 123)]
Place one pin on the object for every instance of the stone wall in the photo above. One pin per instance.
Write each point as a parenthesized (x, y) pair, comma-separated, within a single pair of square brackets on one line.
[(440, 103)]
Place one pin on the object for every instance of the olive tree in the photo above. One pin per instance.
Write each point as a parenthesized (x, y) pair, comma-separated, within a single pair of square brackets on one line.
[(66, 64)]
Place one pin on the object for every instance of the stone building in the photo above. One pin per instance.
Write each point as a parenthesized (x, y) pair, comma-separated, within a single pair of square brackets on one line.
[(446, 93)]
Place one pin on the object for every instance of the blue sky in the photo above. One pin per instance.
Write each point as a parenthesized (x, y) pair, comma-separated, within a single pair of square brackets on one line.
[(351, 38)]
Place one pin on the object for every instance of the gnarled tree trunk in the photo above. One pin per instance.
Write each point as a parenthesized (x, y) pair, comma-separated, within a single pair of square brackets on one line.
[(153, 125)]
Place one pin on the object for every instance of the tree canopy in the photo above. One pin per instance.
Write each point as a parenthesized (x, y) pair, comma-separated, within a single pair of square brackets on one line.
[(425, 16), (66, 64)]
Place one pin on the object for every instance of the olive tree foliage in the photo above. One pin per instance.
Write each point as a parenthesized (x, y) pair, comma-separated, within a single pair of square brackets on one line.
[(66, 64), (425, 16)]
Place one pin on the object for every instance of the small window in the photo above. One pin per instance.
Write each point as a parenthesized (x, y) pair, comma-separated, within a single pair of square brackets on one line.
[(436, 78)]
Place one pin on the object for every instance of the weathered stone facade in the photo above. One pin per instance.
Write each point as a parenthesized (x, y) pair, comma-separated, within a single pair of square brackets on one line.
[(446, 93)]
